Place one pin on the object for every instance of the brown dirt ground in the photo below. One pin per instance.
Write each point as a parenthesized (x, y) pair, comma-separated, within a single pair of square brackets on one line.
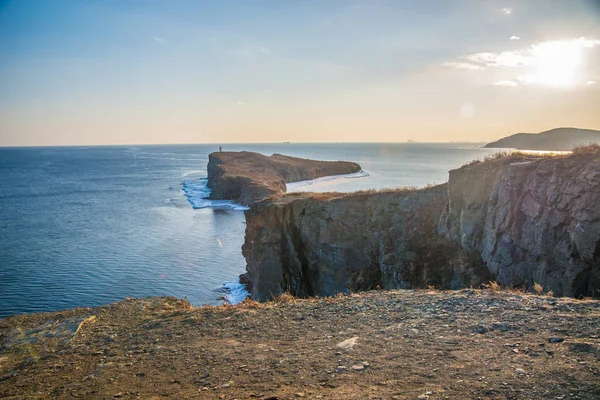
[(424, 344)]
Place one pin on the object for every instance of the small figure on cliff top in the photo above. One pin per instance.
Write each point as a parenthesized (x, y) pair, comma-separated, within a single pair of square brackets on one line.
[(220, 149)]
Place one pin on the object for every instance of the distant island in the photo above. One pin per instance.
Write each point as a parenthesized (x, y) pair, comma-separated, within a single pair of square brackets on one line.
[(559, 139), (247, 177)]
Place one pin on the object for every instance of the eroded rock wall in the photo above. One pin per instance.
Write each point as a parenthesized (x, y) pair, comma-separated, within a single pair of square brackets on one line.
[(324, 244), (531, 221), (518, 221)]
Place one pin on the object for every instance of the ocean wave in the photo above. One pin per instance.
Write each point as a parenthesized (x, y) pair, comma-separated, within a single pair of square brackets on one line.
[(236, 292), (197, 194), (303, 185)]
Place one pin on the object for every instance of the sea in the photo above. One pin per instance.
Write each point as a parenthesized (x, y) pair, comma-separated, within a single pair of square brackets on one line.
[(87, 226)]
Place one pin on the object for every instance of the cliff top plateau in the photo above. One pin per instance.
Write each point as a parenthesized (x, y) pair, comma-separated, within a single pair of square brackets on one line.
[(407, 344), (559, 139), (247, 177)]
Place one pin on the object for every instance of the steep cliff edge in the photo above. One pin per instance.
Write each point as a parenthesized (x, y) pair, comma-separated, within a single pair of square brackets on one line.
[(531, 220), (516, 220), (247, 177), (319, 245)]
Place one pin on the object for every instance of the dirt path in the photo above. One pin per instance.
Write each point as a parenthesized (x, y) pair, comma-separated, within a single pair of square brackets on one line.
[(375, 345)]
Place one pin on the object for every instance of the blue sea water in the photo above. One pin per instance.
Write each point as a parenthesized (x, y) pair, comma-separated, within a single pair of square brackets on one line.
[(85, 226)]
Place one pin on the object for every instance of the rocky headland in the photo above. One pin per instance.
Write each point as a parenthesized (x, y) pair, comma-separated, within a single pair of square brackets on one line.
[(246, 177), (559, 139), (518, 220), (406, 344)]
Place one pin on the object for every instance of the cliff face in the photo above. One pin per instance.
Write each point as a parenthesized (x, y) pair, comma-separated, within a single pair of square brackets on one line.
[(325, 244), (517, 221), (531, 221), (247, 177)]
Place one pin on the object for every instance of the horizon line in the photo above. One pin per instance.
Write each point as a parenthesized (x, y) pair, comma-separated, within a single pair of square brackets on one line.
[(232, 143)]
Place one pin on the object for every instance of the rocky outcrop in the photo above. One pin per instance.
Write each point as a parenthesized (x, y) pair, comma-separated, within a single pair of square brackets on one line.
[(531, 220), (559, 139), (247, 177), (515, 220), (319, 245)]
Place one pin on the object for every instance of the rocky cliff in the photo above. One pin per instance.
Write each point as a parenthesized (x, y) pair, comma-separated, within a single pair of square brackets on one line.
[(516, 220), (531, 220), (319, 245), (247, 177)]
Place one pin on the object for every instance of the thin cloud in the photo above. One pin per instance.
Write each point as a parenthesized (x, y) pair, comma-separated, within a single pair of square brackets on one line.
[(506, 83), (158, 39), (591, 82), (240, 103), (515, 38), (506, 11), (521, 58), (553, 63), (462, 65), (501, 59)]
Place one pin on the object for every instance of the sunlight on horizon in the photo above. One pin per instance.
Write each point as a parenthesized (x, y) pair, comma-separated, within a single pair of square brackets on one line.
[(98, 72)]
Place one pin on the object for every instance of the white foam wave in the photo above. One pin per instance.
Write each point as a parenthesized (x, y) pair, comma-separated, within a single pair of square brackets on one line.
[(236, 292), (304, 185), (193, 172), (197, 194)]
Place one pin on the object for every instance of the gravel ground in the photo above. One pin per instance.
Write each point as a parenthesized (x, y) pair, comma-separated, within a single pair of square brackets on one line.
[(404, 344)]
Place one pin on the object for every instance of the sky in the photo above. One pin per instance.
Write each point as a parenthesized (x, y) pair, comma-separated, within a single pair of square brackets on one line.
[(135, 72)]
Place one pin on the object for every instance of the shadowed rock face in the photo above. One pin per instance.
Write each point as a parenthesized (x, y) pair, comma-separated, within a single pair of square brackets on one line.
[(518, 221), (324, 244), (247, 177), (531, 221)]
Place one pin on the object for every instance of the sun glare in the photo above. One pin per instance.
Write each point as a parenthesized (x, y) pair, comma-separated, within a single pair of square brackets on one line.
[(557, 63)]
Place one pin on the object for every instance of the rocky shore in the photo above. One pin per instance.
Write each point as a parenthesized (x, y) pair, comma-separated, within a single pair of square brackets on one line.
[(406, 344), (246, 177), (516, 219)]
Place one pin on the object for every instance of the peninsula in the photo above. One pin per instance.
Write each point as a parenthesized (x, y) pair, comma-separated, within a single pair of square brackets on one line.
[(247, 177), (559, 139)]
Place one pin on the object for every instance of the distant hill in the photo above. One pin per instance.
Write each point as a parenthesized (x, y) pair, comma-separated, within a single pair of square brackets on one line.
[(559, 139)]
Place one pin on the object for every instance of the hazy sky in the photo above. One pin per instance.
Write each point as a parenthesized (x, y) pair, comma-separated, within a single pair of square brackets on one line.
[(110, 72)]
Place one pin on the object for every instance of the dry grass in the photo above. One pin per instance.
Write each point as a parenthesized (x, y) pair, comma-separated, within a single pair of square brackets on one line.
[(325, 196), (537, 288), (412, 342), (492, 285), (500, 155), (586, 148), (285, 298), (251, 304), (515, 156)]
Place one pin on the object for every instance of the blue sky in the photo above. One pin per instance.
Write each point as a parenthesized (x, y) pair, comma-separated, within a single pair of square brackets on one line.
[(102, 72)]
